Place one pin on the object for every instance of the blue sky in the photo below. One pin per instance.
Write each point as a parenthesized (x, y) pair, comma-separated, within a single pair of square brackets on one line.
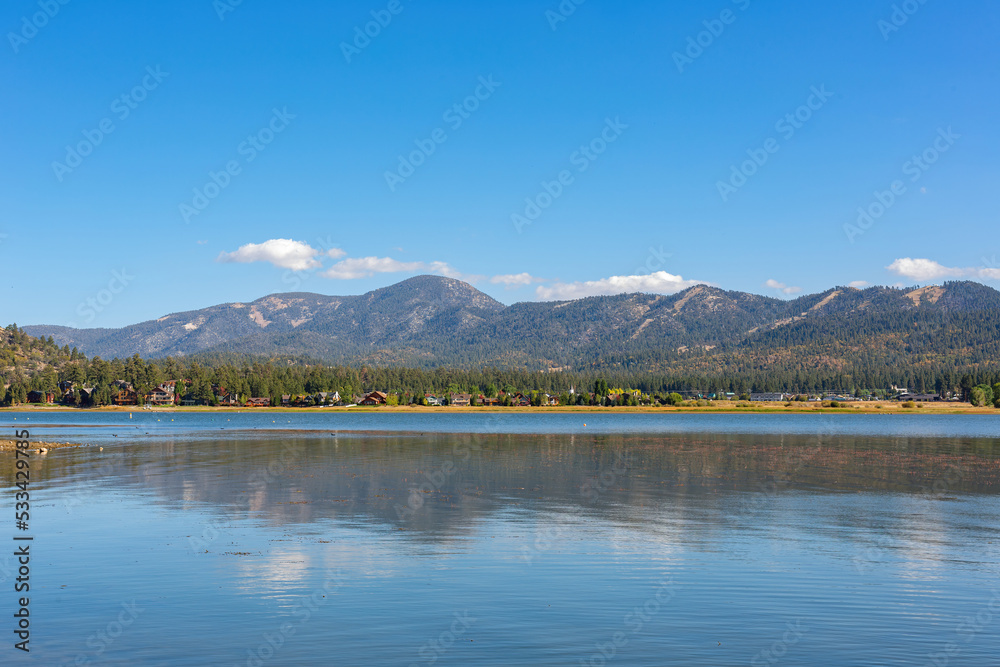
[(611, 119)]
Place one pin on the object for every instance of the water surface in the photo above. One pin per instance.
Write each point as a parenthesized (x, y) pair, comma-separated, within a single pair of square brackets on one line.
[(371, 539)]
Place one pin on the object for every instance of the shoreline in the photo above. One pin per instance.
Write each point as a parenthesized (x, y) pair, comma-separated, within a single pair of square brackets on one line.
[(9, 446), (874, 407)]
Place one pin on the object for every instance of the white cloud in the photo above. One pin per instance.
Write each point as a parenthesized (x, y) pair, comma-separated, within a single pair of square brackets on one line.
[(516, 280), (448, 271), (283, 253), (927, 270), (354, 268), (660, 282), (298, 256), (365, 267), (782, 287), (922, 270), (859, 284)]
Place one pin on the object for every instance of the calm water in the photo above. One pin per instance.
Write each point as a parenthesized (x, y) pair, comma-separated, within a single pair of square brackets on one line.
[(375, 539)]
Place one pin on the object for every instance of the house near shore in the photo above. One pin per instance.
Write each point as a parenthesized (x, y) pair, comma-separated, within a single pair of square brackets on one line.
[(164, 394), (258, 402), (126, 396), (920, 398), (123, 393), (229, 399), (67, 395), (374, 398), (41, 397), (768, 397), (76, 395), (460, 400), (489, 402), (327, 397)]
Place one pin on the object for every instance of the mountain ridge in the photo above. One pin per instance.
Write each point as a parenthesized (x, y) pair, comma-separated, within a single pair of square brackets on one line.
[(432, 321)]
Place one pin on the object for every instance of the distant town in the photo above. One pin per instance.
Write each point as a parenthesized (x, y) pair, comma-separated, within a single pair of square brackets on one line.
[(177, 393)]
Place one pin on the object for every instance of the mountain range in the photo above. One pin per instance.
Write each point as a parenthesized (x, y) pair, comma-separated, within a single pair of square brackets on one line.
[(431, 321)]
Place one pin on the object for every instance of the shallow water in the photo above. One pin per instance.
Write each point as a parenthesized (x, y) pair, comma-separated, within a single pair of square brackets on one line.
[(415, 540)]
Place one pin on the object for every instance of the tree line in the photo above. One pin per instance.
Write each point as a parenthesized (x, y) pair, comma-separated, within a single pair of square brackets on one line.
[(33, 364)]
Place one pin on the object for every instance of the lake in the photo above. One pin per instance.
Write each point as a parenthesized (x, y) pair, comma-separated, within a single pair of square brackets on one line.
[(333, 538)]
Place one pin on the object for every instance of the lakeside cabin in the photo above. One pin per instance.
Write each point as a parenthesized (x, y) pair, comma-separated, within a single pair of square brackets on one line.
[(229, 399), (162, 395), (41, 397), (374, 398), (460, 400), (125, 393)]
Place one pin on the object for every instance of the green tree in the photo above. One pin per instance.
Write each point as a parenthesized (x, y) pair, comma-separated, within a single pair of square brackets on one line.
[(981, 395), (18, 393), (201, 391)]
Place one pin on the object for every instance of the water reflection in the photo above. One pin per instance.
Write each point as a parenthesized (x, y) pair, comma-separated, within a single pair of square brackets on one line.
[(876, 544), (437, 486)]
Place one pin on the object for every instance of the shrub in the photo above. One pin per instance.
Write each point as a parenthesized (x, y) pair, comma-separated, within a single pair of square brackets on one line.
[(909, 404)]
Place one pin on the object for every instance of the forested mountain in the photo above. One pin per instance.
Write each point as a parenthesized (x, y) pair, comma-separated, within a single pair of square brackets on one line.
[(434, 334), (431, 321), (24, 358)]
